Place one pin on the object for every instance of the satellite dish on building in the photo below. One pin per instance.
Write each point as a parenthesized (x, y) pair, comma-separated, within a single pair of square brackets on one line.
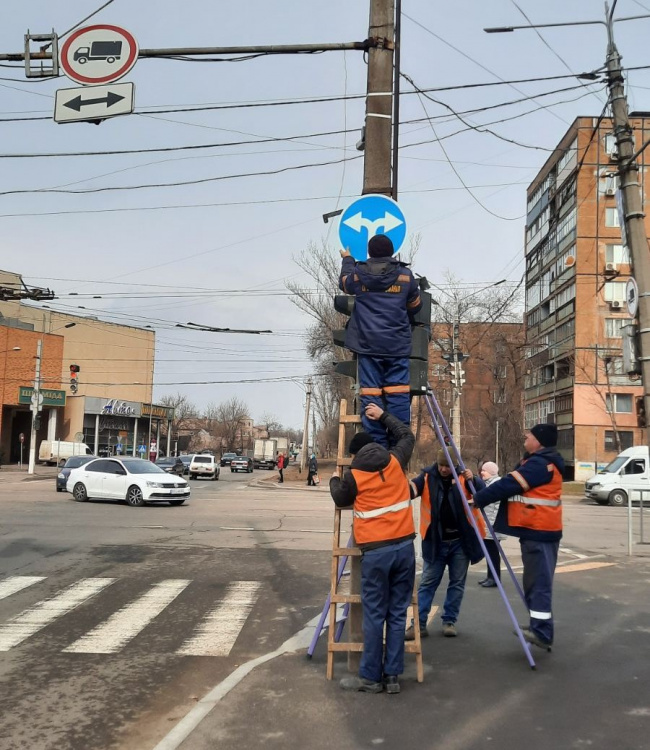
[(569, 261), (79, 437)]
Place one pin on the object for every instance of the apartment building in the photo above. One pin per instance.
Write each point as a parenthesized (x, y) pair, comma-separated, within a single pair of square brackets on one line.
[(576, 272)]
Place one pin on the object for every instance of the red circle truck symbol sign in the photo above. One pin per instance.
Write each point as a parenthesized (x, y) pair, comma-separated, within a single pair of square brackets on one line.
[(98, 54)]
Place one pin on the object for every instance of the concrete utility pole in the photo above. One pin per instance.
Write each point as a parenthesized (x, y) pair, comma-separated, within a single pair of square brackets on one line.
[(458, 379), (35, 408), (634, 225), (377, 174), (305, 429), (379, 103)]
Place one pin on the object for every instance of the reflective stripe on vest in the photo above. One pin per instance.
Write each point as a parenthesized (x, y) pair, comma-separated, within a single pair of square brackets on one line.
[(381, 511), (539, 508), (382, 508)]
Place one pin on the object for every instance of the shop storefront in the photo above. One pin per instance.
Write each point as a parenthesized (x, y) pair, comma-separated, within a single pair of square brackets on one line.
[(112, 427), (17, 422)]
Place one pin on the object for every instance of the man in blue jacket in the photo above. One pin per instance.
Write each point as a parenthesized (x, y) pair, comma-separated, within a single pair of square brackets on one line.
[(379, 330), (533, 512), (448, 541)]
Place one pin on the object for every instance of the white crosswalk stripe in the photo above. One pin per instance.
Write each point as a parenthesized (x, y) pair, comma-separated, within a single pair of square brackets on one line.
[(214, 635), (14, 584), (125, 624), (31, 620), (217, 634)]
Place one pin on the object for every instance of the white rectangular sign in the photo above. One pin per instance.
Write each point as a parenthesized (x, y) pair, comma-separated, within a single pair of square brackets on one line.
[(94, 103)]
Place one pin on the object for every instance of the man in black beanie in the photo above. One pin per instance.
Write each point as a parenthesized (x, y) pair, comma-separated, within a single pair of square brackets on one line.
[(533, 512), (378, 490), (379, 329)]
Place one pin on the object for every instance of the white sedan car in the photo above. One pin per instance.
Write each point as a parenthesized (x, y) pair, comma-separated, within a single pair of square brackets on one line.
[(132, 480)]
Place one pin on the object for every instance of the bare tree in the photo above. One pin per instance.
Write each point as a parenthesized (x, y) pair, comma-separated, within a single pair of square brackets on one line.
[(184, 411), (272, 424), (229, 418)]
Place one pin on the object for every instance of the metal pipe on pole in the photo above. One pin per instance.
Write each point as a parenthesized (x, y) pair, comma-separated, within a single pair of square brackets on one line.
[(35, 408)]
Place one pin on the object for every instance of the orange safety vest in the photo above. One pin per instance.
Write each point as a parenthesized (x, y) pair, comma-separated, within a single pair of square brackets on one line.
[(425, 509), (539, 508), (382, 508)]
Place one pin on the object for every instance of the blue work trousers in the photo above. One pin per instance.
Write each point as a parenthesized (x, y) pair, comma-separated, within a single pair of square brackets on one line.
[(448, 555), (539, 559), (384, 381), (387, 578)]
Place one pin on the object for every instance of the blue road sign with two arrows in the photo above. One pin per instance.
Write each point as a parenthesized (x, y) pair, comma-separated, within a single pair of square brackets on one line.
[(368, 216)]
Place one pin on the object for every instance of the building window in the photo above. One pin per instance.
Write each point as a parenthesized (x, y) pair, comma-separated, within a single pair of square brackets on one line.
[(619, 403), (501, 371), (611, 217), (564, 403), (626, 439), (499, 397), (615, 291), (613, 327), (617, 254)]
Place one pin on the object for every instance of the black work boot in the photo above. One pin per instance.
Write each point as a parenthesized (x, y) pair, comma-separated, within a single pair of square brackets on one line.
[(392, 684)]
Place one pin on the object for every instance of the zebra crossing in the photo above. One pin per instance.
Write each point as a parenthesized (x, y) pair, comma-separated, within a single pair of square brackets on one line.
[(214, 635)]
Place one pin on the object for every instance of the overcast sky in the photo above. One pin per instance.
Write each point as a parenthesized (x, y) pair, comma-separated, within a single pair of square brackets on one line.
[(229, 260)]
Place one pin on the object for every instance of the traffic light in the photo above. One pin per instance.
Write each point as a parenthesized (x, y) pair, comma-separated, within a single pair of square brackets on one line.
[(640, 412), (74, 383), (344, 304), (420, 337)]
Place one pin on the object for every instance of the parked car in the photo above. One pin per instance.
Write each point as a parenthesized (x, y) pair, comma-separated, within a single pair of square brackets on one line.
[(133, 480), (187, 460), (241, 463), (624, 477), (227, 458), (172, 465), (203, 465), (72, 463)]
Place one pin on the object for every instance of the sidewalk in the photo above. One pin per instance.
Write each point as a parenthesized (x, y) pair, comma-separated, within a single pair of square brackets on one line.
[(12, 473)]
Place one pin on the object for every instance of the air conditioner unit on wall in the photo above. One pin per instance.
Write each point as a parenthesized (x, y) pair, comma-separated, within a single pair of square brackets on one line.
[(611, 267), (615, 304), (610, 191)]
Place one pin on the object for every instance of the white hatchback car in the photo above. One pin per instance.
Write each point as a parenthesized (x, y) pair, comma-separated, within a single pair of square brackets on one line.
[(132, 480), (204, 465)]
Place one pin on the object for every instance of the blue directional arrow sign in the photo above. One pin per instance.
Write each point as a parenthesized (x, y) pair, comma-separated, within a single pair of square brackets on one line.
[(368, 216)]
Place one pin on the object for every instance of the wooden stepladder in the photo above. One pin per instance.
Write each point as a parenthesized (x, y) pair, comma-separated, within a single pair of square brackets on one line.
[(338, 592)]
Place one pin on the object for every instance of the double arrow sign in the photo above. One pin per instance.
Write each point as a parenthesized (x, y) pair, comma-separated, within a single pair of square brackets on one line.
[(99, 103)]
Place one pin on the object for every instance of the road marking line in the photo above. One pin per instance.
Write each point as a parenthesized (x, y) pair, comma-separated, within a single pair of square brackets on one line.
[(217, 634), (14, 584), (568, 551), (31, 620), (582, 566), (126, 623)]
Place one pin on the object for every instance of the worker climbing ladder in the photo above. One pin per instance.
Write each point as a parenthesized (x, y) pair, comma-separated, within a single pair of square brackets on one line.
[(346, 593)]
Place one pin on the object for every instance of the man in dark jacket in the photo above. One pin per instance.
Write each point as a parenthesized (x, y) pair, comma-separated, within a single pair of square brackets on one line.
[(448, 541), (533, 512), (377, 488), (379, 330)]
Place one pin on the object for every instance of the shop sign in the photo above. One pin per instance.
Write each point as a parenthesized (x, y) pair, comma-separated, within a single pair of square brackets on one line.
[(50, 397), (159, 412), (113, 423), (118, 408)]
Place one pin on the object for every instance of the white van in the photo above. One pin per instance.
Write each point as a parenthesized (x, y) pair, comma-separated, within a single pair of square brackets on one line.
[(621, 479), (59, 451)]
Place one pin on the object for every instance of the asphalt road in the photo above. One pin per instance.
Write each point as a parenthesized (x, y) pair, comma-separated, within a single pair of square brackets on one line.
[(137, 628)]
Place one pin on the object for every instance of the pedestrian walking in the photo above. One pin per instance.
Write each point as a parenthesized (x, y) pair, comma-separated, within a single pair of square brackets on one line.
[(490, 474), (312, 470), (379, 330), (377, 488), (448, 541), (533, 512), (280, 465)]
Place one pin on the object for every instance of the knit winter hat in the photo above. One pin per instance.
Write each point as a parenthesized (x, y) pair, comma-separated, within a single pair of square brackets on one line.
[(546, 434), (380, 246), (490, 468), (441, 459), (358, 442)]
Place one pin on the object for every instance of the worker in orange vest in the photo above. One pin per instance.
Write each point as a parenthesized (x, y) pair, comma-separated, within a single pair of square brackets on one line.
[(533, 512), (378, 490)]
